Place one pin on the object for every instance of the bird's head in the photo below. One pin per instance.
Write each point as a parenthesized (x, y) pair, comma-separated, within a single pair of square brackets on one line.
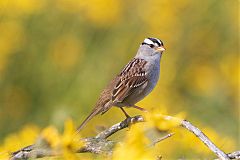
[(151, 47)]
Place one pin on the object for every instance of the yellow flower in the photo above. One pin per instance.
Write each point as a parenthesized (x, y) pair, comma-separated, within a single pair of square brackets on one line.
[(23, 138), (71, 140), (67, 143), (51, 135), (4, 155), (134, 146), (15, 141), (162, 121)]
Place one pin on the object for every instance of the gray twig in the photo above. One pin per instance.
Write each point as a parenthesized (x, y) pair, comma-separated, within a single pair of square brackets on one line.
[(161, 139), (219, 153), (119, 126), (99, 144)]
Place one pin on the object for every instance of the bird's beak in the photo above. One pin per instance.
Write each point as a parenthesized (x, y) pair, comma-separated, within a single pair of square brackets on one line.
[(160, 49)]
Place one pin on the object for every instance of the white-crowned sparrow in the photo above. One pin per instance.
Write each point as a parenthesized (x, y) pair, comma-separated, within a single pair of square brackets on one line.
[(135, 81)]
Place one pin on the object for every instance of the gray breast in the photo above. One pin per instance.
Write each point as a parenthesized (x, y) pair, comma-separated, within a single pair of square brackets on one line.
[(153, 73)]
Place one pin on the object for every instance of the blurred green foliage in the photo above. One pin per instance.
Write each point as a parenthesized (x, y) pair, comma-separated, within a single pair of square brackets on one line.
[(56, 56)]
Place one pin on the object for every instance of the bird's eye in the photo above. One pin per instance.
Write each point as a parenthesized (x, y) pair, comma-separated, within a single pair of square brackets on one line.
[(151, 45)]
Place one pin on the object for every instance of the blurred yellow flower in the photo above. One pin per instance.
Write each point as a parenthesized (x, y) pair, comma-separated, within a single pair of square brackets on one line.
[(16, 8), (203, 78), (15, 141), (51, 135), (12, 36), (162, 121), (4, 155), (98, 12), (134, 146), (66, 51), (103, 13), (229, 66), (70, 139), (67, 143)]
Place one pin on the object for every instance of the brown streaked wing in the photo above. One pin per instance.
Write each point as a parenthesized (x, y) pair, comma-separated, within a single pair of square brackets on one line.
[(131, 77)]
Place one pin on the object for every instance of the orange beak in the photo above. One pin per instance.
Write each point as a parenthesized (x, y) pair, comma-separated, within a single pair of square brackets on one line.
[(160, 49)]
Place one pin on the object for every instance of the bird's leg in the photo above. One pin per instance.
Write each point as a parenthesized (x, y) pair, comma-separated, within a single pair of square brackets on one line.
[(125, 113), (139, 108), (128, 119)]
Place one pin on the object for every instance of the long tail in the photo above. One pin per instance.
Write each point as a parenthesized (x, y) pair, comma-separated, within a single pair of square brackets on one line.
[(89, 117)]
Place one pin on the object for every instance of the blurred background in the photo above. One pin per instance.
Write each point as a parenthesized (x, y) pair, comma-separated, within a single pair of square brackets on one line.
[(57, 56)]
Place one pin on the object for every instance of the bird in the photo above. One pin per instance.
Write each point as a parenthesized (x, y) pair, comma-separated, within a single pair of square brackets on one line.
[(135, 81)]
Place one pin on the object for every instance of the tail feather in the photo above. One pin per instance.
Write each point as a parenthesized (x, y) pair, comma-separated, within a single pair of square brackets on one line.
[(89, 117)]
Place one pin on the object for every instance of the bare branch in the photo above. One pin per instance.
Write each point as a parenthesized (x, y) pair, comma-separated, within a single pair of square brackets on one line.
[(119, 126), (219, 153), (99, 144), (32, 152)]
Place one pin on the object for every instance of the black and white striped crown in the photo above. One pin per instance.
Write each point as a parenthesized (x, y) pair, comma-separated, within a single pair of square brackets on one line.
[(152, 42)]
